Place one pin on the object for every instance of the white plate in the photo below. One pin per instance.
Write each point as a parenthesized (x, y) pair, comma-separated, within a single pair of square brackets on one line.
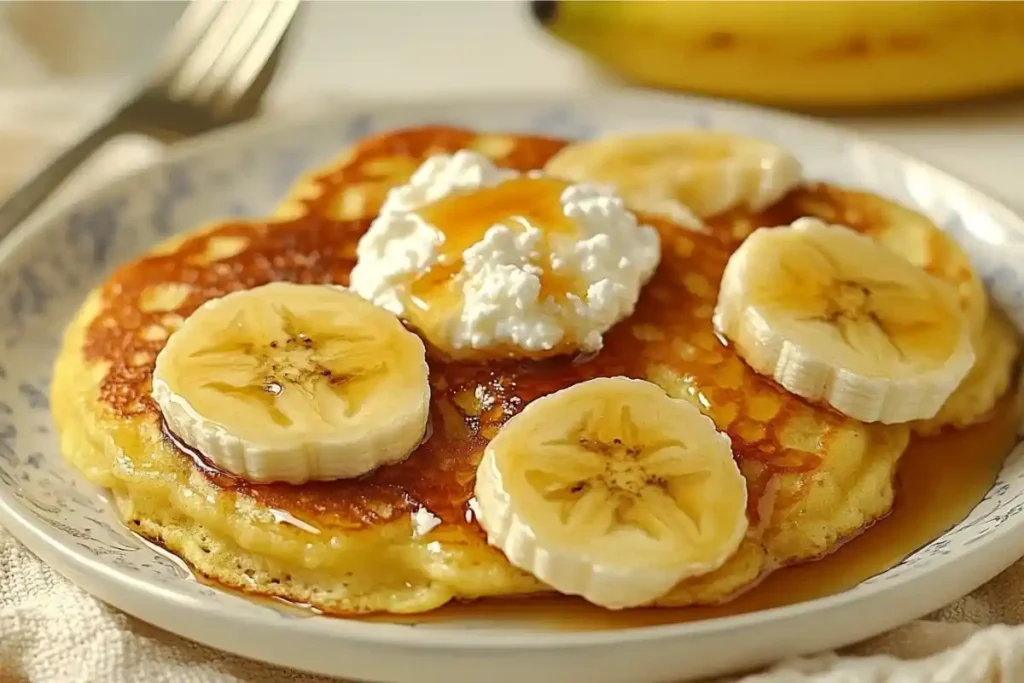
[(45, 271)]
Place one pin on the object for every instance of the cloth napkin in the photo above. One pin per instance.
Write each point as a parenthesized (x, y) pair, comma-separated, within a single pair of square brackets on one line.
[(52, 632)]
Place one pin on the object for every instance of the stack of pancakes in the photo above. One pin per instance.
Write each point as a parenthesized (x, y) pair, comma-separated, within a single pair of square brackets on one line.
[(815, 478)]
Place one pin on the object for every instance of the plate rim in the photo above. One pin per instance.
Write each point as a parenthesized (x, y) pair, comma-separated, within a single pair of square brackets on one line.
[(28, 528)]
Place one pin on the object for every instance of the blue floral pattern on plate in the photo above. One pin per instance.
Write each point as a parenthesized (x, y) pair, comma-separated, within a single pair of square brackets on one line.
[(46, 270)]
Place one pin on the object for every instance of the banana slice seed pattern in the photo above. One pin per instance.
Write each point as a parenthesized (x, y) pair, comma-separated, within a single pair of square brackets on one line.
[(872, 316), (286, 372), (603, 486)]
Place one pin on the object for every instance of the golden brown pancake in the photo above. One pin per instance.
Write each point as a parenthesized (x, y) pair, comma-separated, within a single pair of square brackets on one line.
[(814, 477)]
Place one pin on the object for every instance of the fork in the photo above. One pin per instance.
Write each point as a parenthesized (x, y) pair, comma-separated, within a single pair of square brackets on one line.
[(218, 62)]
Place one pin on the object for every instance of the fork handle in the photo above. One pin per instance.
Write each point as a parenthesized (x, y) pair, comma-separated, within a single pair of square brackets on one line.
[(27, 198)]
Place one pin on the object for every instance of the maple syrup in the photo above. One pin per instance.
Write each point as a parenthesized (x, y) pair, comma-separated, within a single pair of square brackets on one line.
[(463, 218), (939, 481)]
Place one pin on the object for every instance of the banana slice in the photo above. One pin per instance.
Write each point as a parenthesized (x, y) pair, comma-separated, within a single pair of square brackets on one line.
[(833, 316), (613, 491), (684, 175), (293, 383)]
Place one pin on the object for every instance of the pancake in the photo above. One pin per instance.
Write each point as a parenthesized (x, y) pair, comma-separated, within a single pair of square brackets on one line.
[(814, 477)]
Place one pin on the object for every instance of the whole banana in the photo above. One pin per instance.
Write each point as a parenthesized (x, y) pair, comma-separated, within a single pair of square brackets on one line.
[(803, 53)]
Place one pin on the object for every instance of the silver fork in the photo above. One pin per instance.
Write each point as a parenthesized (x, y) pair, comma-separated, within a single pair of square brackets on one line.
[(218, 62)]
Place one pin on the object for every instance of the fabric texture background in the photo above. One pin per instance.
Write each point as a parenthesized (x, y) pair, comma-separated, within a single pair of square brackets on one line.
[(52, 632)]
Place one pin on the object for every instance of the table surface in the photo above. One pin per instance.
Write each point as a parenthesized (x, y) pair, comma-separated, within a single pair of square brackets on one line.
[(431, 49)]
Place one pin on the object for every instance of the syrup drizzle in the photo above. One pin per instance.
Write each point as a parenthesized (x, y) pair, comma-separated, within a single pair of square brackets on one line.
[(463, 218)]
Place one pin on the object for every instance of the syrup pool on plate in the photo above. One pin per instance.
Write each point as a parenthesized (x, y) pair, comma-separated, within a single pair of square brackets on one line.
[(937, 487)]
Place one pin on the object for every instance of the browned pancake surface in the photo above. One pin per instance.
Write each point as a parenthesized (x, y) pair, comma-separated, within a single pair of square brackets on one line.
[(671, 328)]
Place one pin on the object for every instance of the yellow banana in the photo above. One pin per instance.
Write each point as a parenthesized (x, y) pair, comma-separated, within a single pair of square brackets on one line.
[(803, 53)]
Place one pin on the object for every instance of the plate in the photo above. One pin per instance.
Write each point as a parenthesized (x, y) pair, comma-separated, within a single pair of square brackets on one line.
[(47, 268)]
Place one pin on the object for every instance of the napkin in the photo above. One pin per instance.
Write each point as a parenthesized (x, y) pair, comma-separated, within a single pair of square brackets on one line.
[(50, 631)]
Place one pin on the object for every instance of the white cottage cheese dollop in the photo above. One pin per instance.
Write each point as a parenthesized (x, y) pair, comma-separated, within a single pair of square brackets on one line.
[(500, 308)]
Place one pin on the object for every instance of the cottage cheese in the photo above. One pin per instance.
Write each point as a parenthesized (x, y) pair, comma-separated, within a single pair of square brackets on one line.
[(500, 309)]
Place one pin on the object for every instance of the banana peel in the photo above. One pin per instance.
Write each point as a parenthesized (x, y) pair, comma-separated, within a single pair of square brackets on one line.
[(811, 54)]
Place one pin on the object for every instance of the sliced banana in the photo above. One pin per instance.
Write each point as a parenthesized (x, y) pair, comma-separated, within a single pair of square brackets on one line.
[(612, 490), (917, 239), (684, 175), (293, 383), (833, 316)]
